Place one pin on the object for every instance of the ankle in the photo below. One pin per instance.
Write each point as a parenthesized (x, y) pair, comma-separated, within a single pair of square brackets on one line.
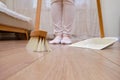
[(66, 35), (58, 34)]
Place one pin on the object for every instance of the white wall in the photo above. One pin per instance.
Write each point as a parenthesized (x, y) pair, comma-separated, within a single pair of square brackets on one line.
[(111, 17)]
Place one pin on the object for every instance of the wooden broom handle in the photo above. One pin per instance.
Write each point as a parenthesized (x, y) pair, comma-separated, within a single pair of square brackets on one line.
[(38, 14), (100, 19)]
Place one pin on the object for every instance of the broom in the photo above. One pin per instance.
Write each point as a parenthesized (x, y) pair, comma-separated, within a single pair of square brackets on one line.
[(100, 19), (38, 40)]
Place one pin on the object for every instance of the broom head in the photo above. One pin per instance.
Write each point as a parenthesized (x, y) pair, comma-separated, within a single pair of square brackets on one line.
[(38, 33), (38, 41)]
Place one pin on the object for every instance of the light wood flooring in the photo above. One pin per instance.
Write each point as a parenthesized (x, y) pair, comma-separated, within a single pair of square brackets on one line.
[(62, 63)]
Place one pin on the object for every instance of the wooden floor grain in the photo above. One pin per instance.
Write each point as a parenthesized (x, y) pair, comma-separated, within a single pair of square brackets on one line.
[(62, 63)]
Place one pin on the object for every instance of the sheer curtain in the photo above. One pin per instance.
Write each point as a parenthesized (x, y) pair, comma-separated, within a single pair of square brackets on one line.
[(85, 23), (86, 20), (24, 7)]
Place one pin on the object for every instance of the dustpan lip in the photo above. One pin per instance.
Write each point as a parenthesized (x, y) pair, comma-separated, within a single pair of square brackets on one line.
[(83, 44)]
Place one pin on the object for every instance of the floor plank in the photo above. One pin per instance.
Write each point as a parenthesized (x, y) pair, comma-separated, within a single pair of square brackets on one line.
[(112, 53), (62, 63), (14, 60)]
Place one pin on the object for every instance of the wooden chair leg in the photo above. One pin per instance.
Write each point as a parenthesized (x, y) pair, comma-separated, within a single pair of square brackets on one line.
[(27, 36)]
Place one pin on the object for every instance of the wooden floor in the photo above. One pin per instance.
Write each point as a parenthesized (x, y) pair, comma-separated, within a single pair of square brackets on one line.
[(63, 63)]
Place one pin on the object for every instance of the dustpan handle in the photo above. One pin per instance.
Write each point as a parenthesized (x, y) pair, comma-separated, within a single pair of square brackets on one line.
[(100, 19), (38, 14)]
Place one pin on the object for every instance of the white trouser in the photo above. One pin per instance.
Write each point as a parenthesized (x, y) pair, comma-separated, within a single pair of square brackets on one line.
[(62, 15)]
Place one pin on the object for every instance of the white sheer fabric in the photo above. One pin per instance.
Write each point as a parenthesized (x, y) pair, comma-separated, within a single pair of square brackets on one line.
[(24, 7), (85, 23), (86, 20)]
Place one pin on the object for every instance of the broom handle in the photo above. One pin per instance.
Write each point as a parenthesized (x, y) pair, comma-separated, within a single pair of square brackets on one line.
[(100, 19), (38, 13)]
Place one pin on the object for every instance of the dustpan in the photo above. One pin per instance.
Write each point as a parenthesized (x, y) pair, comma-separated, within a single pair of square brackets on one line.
[(97, 43)]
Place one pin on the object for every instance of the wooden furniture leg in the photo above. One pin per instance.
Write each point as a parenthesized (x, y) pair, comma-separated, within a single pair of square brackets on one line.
[(14, 29)]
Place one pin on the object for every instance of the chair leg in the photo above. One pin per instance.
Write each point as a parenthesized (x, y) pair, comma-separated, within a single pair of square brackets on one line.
[(27, 36)]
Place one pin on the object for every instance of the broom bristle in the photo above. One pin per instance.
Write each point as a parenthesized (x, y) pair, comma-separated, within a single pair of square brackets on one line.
[(47, 46), (39, 45), (33, 43), (43, 45)]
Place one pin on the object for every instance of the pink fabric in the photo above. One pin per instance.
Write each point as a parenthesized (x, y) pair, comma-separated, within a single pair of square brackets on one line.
[(62, 15)]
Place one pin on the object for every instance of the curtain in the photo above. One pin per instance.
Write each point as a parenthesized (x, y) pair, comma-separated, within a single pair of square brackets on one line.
[(24, 7), (86, 18)]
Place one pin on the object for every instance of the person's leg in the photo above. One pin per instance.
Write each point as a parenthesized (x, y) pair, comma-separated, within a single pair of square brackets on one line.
[(67, 20), (56, 11)]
